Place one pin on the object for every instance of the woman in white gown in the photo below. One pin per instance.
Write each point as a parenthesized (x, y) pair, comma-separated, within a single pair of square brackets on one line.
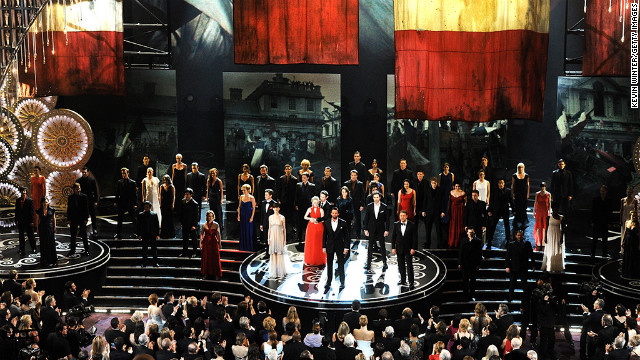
[(277, 238), (553, 258), (154, 312), (364, 336), (150, 191)]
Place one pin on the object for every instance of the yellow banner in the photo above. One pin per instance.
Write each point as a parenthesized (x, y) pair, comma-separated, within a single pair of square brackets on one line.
[(472, 15), (83, 15)]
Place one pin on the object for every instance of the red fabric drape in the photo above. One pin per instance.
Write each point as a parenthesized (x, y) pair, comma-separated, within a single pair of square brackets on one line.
[(296, 31), (605, 54)]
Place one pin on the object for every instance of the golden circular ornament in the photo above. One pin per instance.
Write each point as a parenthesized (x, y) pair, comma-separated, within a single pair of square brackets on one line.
[(23, 170), (29, 111), (8, 193), (60, 186), (11, 130), (6, 158), (63, 139)]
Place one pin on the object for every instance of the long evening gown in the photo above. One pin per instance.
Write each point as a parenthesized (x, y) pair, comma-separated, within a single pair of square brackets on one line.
[(277, 247), (406, 203), (179, 184), (543, 203), (246, 227), (167, 229), (215, 196), (38, 191), (211, 265), (625, 212), (630, 262), (553, 258), (519, 187), (456, 220), (151, 195), (47, 237), (313, 254)]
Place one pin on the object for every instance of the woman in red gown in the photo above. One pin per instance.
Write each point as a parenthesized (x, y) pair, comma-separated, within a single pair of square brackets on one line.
[(38, 190), (456, 215), (313, 254), (210, 245), (407, 200), (541, 212)]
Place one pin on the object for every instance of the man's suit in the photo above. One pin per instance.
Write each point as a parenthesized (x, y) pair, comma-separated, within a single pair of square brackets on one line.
[(499, 209), (149, 232), (361, 168), (519, 260), (518, 354), (286, 195), (126, 200), (590, 322), (189, 217), (335, 242), (405, 240), (50, 318), (198, 183), (561, 188), (357, 196), (475, 215), (326, 208), (304, 193), (330, 185), (605, 337), (24, 219), (89, 186), (265, 210), (376, 226), (469, 258), (434, 205), (78, 214), (262, 184)]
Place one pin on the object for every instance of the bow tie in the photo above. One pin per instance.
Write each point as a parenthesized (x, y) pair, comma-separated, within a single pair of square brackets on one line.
[(403, 224)]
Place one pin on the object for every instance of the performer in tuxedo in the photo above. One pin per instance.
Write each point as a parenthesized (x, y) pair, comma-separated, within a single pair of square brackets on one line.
[(404, 243), (356, 188), (475, 214), (329, 184), (501, 199), (126, 200), (469, 258), (433, 213), (148, 232), (197, 181), (561, 188), (77, 216), (265, 210), (325, 205), (286, 193), (358, 166), (335, 240), (376, 227), (519, 260), (190, 221), (24, 219), (89, 187), (264, 182), (420, 185), (305, 190)]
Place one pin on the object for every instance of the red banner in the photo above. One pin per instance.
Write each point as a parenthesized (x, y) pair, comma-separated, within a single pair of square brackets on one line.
[(605, 51)]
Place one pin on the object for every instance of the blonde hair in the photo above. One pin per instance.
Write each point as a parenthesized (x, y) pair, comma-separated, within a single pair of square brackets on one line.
[(305, 162), (437, 348), (520, 165), (292, 314), (137, 316), (246, 186), (210, 212), (269, 323), (24, 322), (192, 300), (98, 345), (363, 320), (464, 325), (343, 330)]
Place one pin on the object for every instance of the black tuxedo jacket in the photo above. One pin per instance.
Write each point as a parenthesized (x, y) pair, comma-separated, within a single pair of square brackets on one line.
[(470, 254), (286, 190), (361, 168), (189, 213), (326, 208), (421, 188), (519, 256), (263, 184), (335, 240), (357, 193), (518, 354), (592, 321), (304, 195), (77, 208), (264, 213), (126, 194), (404, 243), (50, 318), (561, 183), (373, 224), (475, 215), (198, 183), (24, 213), (89, 187), (330, 185), (500, 201), (398, 178), (434, 201), (148, 225)]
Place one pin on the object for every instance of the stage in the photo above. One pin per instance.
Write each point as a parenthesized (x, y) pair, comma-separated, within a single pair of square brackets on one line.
[(609, 275), (304, 286)]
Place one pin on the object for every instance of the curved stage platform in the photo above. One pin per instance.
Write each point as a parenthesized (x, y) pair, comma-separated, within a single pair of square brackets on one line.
[(28, 266), (304, 286), (610, 276)]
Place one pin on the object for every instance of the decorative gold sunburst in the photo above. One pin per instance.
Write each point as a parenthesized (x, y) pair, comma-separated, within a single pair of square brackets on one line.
[(10, 129), (63, 139), (29, 110), (6, 158), (23, 170), (8, 193), (60, 186)]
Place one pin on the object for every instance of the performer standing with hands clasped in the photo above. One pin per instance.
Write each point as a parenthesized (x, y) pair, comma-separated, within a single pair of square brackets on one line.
[(335, 240), (210, 247), (404, 243), (313, 239), (376, 226)]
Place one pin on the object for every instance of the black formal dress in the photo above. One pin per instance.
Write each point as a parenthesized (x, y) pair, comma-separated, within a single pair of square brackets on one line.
[(335, 242), (361, 168), (190, 221), (519, 190), (420, 188), (475, 215), (46, 233), (304, 193), (89, 186), (286, 195), (78, 214), (149, 232), (356, 190), (330, 185), (167, 203), (376, 224), (561, 189), (345, 209), (499, 209), (434, 204), (601, 210), (519, 260), (24, 219), (126, 200), (215, 197), (404, 239), (265, 209), (469, 258)]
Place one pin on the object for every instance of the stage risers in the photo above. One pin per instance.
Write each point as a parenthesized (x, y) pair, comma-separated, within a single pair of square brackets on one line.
[(128, 284)]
